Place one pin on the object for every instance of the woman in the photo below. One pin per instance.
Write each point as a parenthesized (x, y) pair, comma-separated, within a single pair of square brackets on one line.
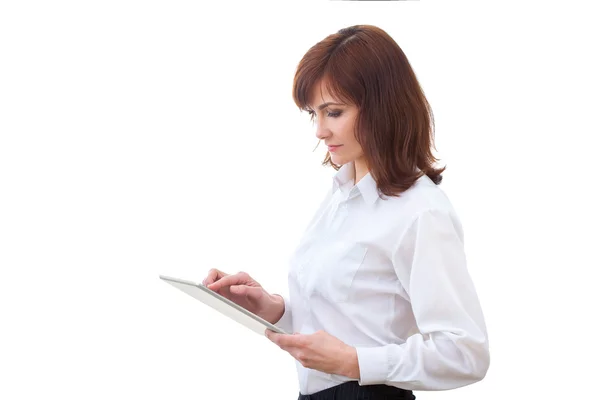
[(381, 302)]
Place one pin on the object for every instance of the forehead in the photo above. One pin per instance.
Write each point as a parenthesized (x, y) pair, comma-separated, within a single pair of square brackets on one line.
[(319, 95)]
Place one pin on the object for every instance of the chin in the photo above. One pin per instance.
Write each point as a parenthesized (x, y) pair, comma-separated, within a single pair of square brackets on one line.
[(338, 160)]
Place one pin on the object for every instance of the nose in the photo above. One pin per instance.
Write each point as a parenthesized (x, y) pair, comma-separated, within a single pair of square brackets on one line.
[(322, 131)]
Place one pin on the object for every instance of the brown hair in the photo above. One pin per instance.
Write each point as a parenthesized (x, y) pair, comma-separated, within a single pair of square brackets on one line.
[(364, 66)]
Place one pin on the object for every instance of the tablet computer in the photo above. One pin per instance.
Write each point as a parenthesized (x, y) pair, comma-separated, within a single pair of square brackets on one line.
[(223, 305)]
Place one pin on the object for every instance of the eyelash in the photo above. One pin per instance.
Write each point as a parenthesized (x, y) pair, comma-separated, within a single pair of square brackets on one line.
[(332, 115)]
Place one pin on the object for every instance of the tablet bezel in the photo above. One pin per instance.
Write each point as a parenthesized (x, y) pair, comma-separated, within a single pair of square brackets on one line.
[(225, 300)]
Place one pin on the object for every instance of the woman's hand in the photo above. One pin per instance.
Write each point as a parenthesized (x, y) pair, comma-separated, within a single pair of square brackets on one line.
[(320, 351), (246, 292)]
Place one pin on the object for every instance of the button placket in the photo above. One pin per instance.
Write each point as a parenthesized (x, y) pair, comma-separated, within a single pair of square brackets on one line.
[(334, 210), (340, 217)]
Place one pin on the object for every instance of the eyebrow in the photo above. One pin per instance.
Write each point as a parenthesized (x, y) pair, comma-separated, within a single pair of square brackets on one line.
[(322, 106)]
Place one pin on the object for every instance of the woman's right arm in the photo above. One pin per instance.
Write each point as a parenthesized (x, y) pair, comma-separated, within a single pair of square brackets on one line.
[(243, 290)]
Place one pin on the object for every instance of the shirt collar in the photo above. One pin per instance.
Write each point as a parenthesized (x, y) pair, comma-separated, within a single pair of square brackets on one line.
[(366, 186)]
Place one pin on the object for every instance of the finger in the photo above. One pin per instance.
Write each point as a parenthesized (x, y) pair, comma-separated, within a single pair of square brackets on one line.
[(213, 275), (301, 356), (272, 335), (290, 341), (248, 291), (226, 281)]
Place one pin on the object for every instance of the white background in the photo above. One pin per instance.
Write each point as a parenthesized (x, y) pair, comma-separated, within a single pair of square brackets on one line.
[(146, 138)]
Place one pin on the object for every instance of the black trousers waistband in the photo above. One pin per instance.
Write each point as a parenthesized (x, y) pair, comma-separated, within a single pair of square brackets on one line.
[(351, 390)]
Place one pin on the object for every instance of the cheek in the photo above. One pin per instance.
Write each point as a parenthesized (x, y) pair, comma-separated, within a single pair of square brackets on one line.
[(351, 145), (346, 134)]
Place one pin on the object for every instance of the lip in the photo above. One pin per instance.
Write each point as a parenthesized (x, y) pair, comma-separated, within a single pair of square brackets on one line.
[(333, 148)]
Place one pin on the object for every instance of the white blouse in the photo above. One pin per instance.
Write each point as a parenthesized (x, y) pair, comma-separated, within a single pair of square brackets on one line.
[(388, 277)]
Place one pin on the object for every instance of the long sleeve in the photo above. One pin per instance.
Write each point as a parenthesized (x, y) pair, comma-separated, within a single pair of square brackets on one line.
[(451, 348), (285, 322)]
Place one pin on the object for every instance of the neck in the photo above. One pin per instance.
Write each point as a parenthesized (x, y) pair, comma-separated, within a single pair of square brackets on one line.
[(360, 170)]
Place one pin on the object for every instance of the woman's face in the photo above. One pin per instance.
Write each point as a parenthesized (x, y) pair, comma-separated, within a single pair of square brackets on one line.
[(335, 125)]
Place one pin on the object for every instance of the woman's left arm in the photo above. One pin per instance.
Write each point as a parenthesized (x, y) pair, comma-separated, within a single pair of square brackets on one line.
[(451, 348)]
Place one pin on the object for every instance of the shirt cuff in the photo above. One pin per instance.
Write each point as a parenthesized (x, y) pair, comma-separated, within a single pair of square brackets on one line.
[(285, 322), (373, 364)]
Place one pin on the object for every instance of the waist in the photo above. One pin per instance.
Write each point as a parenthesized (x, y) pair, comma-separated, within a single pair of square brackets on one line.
[(352, 390)]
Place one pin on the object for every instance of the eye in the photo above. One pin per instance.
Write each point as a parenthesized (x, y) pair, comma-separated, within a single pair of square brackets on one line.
[(333, 114)]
